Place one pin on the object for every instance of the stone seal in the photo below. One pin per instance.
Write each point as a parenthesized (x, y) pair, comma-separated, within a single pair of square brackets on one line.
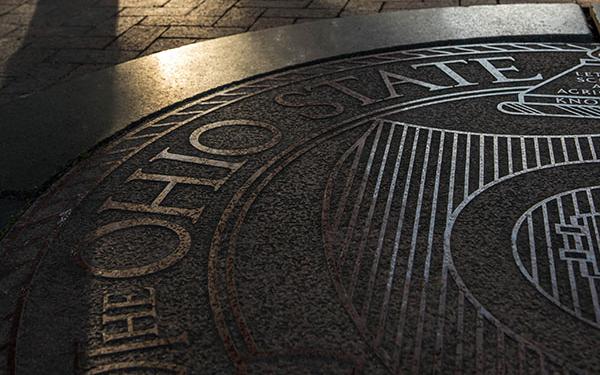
[(430, 210)]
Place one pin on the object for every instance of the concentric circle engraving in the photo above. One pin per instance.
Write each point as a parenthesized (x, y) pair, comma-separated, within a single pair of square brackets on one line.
[(564, 266), (381, 213)]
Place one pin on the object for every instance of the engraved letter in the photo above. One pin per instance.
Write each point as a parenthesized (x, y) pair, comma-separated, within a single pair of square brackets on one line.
[(497, 72), (171, 181), (443, 66), (139, 307), (195, 138), (119, 273), (286, 101), (119, 367), (181, 339), (400, 79), (335, 84)]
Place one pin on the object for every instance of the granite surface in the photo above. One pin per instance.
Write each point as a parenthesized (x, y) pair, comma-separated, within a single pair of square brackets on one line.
[(425, 210)]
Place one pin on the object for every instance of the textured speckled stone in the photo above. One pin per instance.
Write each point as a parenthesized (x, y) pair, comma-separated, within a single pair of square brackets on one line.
[(409, 210)]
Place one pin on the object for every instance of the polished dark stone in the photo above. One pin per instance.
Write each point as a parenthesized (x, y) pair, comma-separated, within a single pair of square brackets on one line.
[(423, 210)]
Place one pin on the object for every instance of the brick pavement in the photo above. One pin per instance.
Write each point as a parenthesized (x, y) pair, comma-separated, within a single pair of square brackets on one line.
[(46, 41)]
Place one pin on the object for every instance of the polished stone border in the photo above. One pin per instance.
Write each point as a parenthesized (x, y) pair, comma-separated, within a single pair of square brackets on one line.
[(41, 134)]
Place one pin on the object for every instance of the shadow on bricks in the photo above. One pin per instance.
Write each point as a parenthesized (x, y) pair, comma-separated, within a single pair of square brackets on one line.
[(58, 39)]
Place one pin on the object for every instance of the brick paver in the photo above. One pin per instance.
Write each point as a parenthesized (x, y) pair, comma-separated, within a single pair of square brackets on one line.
[(47, 41)]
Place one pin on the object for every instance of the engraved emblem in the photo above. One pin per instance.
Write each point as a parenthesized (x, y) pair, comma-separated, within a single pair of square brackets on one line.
[(556, 246), (586, 245), (372, 214), (572, 93)]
